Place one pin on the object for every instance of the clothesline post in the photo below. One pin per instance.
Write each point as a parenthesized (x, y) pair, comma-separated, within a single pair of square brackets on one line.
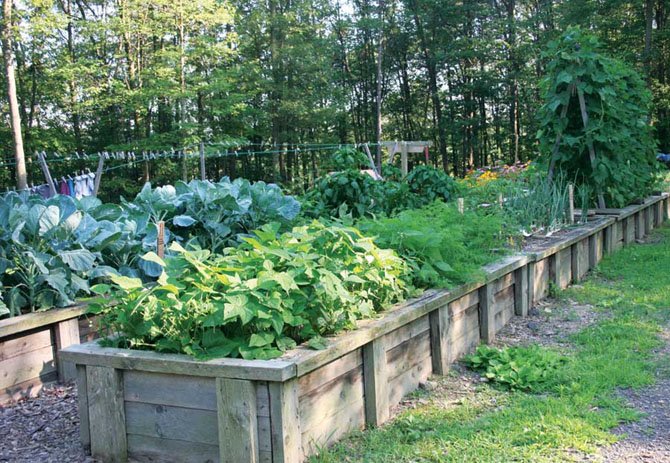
[(47, 174), (202, 161), (98, 174)]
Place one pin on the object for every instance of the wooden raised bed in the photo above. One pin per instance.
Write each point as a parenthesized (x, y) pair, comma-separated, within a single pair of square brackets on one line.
[(158, 407), (29, 345)]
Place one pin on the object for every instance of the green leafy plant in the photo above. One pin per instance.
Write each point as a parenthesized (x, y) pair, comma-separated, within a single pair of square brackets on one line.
[(442, 246), (520, 368), (430, 183), (349, 158), (617, 103), (256, 300)]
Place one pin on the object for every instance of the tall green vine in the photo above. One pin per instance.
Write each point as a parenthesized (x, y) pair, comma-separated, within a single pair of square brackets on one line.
[(616, 102)]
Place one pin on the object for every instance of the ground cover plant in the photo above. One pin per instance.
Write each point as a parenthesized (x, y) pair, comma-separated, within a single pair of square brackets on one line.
[(259, 299), (572, 410)]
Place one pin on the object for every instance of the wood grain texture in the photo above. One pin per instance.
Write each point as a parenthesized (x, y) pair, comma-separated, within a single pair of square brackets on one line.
[(238, 420), (167, 422), (375, 375), (486, 314), (329, 372), (403, 357), (24, 343), (285, 422), (66, 334), (126, 359), (463, 332), (107, 416), (82, 402), (439, 345), (409, 381), (166, 389), (144, 449), (31, 321), (27, 367), (521, 294), (564, 267)]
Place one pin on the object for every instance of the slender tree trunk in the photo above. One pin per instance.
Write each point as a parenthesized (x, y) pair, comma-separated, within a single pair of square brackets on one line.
[(649, 22), (380, 50), (15, 117)]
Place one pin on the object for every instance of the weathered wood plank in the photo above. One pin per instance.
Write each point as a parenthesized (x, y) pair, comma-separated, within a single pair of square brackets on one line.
[(439, 346), (237, 419), (504, 281), (285, 422), (521, 304), (331, 428), (127, 359), (463, 332), (167, 422), (404, 356), (486, 314), (66, 334), (22, 344), (539, 275), (31, 321), (25, 367), (409, 381), (342, 393), (402, 334), (262, 399), (145, 449), (167, 389), (106, 411), (264, 436), (329, 372), (580, 259), (375, 375), (82, 402)]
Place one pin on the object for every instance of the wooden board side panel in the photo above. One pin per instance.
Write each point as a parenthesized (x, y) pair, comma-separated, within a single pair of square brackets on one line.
[(540, 280), (145, 449), (409, 381), (564, 267), (173, 390), (463, 332), (25, 367), (23, 343), (503, 307), (332, 410)]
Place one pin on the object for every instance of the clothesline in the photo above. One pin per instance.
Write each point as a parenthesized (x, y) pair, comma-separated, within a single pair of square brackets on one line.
[(188, 153)]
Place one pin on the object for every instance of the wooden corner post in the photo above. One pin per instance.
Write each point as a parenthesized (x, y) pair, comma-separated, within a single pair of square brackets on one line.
[(106, 412), (521, 291)]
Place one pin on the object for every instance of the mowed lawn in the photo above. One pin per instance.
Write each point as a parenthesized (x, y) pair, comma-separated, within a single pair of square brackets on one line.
[(575, 409)]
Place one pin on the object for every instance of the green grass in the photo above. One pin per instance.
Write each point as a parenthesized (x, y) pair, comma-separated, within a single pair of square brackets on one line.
[(575, 410)]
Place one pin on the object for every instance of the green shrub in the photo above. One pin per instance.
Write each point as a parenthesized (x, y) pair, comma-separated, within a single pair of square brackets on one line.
[(259, 299), (349, 159), (517, 368), (430, 184)]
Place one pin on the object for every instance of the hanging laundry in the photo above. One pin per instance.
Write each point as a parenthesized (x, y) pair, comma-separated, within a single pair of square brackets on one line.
[(90, 184), (63, 188), (70, 186), (44, 191), (79, 186)]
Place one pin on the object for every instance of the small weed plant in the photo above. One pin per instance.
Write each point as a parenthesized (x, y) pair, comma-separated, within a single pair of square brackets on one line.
[(516, 368)]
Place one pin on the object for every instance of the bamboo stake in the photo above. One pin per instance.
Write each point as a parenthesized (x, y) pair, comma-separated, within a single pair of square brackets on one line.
[(160, 240)]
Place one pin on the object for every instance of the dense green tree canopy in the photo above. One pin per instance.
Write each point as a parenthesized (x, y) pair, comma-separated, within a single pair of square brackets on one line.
[(143, 75)]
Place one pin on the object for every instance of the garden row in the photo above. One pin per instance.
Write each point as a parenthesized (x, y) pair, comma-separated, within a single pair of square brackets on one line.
[(153, 405)]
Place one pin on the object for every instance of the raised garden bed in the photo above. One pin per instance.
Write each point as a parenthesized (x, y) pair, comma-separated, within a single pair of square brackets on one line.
[(169, 407)]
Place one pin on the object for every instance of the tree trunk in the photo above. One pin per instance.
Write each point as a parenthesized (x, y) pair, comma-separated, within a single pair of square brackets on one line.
[(380, 49), (15, 118)]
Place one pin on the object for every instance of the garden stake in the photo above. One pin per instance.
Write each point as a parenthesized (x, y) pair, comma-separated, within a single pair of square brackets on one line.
[(160, 241), (571, 203)]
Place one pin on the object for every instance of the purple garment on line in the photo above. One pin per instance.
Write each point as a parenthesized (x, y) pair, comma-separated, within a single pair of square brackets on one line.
[(63, 188)]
